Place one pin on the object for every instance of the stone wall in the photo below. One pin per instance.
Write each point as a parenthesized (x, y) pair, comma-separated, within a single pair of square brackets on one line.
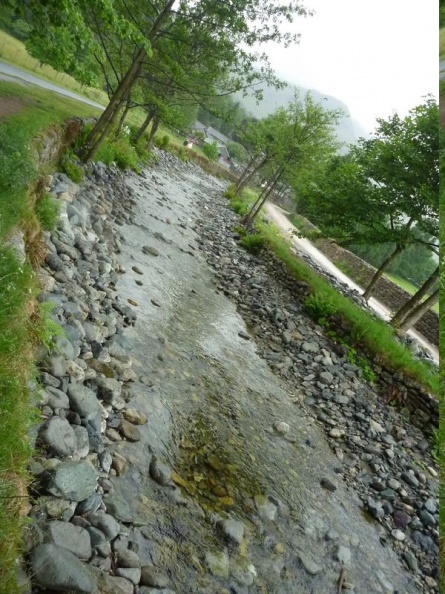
[(386, 291)]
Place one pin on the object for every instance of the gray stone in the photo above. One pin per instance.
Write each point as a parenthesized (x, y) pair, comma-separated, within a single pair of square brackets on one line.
[(59, 570), (310, 347), (91, 504), (59, 436), (56, 365), (110, 389), (75, 481), (411, 560), (153, 577), (106, 461), (83, 401), (105, 523), (109, 584), (132, 574), (159, 472), (232, 529), (218, 563), (129, 431), (83, 444), (410, 479), (309, 564), (70, 537), (430, 506), (98, 538), (56, 398), (147, 249), (344, 555), (127, 558), (328, 485), (265, 508), (281, 427), (426, 518)]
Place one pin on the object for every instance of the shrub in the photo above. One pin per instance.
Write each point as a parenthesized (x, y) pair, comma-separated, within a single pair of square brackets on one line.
[(253, 243), (211, 151), (162, 142), (120, 152), (319, 307), (73, 171), (47, 212)]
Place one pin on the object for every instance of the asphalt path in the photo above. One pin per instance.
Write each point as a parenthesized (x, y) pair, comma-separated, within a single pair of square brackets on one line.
[(12, 73), (278, 216)]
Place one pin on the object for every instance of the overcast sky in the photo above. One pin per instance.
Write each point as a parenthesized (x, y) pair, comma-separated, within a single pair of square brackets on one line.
[(376, 57)]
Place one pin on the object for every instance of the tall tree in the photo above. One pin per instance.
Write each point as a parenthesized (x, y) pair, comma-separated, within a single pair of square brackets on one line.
[(411, 305), (386, 189)]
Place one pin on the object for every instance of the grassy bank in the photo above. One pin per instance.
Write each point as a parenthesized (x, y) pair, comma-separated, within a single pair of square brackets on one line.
[(374, 336), (21, 324)]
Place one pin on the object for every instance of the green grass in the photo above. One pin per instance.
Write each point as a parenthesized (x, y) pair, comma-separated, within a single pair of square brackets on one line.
[(407, 286), (374, 336), (19, 209)]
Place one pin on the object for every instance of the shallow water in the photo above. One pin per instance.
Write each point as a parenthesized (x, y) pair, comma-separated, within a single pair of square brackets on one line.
[(211, 409)]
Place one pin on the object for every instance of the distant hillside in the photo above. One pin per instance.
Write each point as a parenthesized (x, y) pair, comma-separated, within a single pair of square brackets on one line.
[(348, 130)]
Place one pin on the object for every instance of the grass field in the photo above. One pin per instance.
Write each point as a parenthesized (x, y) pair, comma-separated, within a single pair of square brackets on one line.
[(39, 109), (408, 287)]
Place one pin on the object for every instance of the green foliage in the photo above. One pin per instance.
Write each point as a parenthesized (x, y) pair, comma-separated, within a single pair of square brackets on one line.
[(72, 169), (211, 151), (253, 243), (46, 330), (121, 152), (240, 230), (319, 307), (237, 152), (163, 142), (47, 211)]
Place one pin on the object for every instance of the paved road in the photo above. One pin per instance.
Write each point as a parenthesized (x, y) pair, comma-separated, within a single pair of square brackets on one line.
[(9, 72), (278, 216)]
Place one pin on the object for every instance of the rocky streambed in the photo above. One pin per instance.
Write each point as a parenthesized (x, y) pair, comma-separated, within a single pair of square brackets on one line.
[(199, 433)]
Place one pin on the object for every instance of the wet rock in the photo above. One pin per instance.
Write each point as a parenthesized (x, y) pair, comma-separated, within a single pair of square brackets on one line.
[(398, 535), (132, 574), (75, 481), (83, 443), (59, 570), (56, 398), (281, 427), (153, 577), (127, 558), (411, 560), (218, 563), (91, 504), (159, 472), (410, 479), (109, 584), (426, 518), (328, 485), (134, 416), (59, 437), (233, 530), (265, 508), (344, 555), (137, 270), (152, 251), (73, 538), (129, 431), (309, 564)]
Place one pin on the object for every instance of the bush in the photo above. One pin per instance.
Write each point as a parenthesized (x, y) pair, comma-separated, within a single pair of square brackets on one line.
[(73, 171), (319, 307), (47, 212), (211, 151), (120, 152), (253, 243), (162, 142)]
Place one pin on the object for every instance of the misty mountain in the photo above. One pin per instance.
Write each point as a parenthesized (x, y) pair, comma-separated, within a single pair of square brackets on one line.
[(348, 130)]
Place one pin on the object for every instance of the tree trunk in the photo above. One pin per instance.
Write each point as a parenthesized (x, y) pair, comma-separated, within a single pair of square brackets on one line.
[(144, 126), (375, 279), (253, 213), (415, 300), (108, 117), (418, 312), (122, 118), (242, 183), (153, 130)]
